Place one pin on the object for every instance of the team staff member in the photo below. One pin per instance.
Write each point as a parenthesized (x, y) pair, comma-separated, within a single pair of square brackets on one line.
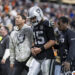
[(20, 44), (69, 42), (4, 51)]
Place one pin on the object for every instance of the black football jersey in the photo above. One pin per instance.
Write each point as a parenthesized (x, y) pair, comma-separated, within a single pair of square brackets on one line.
[(43, 32)]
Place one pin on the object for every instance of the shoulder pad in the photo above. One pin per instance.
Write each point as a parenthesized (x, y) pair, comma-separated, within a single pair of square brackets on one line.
[(48, 23), (51, 23)]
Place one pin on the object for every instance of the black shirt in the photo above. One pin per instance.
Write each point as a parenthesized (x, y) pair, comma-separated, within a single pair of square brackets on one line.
[(4, 44), (68, 43), (43, 32)]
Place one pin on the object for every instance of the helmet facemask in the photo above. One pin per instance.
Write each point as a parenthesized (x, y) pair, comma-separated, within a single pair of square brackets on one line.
[(34, 21)]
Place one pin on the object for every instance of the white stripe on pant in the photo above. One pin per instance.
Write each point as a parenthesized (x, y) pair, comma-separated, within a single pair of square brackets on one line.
[(44, 65), (52, 65)]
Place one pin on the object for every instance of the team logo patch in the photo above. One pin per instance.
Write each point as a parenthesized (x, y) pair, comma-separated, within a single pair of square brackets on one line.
[(1, 41), (62, 40), (21, 38)]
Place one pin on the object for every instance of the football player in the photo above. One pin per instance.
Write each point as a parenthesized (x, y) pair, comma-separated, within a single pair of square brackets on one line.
[(44, 39)]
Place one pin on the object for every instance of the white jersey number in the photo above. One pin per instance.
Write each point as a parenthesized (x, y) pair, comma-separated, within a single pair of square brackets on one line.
[(39, 38)]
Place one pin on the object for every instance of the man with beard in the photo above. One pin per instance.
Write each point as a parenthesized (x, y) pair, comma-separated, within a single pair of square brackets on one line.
[(68, 42), (44, 39)]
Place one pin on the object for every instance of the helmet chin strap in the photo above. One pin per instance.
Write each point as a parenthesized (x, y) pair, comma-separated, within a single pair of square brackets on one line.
[(37, 22)]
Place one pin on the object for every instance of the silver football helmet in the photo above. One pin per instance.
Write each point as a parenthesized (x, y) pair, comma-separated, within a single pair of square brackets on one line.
[(35, 15)]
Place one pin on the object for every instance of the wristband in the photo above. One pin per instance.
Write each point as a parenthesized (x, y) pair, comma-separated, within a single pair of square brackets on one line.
[(32, 46), (42, 48)]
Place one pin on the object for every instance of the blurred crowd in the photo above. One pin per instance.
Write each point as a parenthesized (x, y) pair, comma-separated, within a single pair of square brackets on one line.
[(52, 11), (10, 8)]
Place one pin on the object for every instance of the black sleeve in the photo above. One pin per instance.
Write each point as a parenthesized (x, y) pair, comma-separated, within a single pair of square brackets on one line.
[(71, 42), (7, 42)]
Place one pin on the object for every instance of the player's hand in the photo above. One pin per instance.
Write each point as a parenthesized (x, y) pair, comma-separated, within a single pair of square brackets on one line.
[(12, 66), (33, 51), (3, 61), (66, 66), (37, 50)]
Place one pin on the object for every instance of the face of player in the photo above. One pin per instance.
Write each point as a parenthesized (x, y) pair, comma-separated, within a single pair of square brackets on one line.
[(33, 19), (18, 20), (62, 26)]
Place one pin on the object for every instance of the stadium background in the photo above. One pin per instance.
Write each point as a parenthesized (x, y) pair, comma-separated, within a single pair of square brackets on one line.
[(52, 9)]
